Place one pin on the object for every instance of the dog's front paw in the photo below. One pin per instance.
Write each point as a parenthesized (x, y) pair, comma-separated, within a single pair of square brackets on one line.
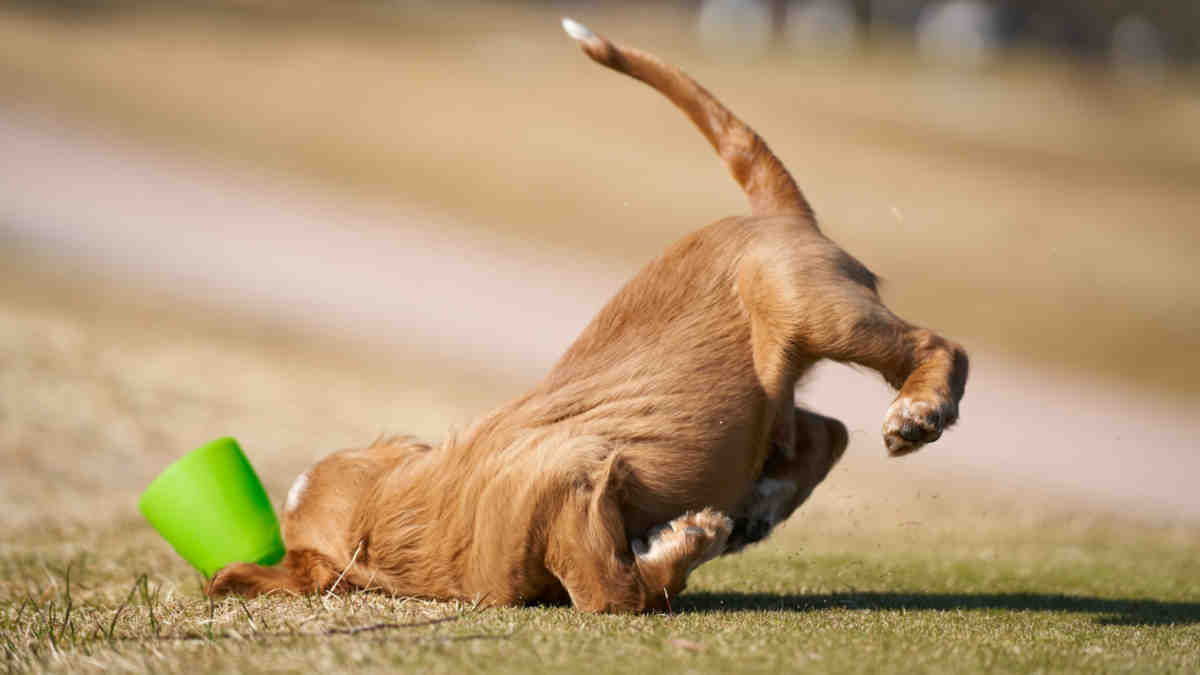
[(709, 531), (715, 525), (690, 540), (913, 421)]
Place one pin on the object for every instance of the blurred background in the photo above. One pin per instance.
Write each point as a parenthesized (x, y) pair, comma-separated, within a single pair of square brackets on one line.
[(305, 224)]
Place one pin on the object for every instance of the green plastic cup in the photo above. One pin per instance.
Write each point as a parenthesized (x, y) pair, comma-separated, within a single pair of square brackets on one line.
[(211, 507)]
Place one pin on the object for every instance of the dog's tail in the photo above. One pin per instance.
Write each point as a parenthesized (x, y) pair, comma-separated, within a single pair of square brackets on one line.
[(764, 179)]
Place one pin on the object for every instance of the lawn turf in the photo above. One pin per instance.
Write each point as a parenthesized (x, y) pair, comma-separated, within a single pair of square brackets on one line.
[(1122, 598)]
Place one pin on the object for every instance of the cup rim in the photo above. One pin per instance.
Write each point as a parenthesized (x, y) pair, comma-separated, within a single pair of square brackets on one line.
[(181, 464)]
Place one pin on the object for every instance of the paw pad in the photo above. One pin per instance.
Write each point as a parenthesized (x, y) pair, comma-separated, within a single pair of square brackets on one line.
[(912, 422)]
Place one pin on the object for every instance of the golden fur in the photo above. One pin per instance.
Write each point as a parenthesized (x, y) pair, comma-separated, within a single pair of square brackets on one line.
[(666, 435)]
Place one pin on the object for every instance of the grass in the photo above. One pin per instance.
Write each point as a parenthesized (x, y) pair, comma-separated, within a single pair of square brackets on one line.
[(118, 600)]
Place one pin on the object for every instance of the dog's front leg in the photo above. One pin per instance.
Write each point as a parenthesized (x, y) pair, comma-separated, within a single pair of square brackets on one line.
[(603, 571), (670, 552)]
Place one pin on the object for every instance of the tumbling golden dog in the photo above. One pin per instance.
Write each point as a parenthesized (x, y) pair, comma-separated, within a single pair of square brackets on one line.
[(665, 436)]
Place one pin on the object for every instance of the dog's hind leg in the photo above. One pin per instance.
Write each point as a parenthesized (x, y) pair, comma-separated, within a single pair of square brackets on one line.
[(929, 370), (820, 303)]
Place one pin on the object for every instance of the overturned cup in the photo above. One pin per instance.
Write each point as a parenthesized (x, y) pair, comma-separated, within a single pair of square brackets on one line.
[(212, 508)]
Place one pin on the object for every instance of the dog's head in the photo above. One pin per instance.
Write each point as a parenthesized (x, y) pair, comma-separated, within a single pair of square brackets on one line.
[(788, 479)]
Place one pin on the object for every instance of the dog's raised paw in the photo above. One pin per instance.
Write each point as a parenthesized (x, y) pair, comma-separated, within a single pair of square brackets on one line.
[(693, 538), (911, 422), (710, 528)]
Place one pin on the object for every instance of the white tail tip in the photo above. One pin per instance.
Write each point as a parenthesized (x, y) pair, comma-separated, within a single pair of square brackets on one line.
[(577, 30)]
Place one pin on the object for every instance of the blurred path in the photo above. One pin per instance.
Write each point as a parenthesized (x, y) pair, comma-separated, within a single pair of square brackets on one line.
[(241, 240)]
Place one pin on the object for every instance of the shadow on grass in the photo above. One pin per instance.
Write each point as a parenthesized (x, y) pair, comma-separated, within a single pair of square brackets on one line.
[(1113, 612)]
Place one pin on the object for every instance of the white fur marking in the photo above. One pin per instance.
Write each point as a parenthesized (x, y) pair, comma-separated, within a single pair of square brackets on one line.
[(296, 493), (657, 550), (896, 415), (655, 545), (577, 30), (667, 538)]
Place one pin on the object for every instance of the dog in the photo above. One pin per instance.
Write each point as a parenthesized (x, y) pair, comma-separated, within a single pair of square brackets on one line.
[(665, 436)]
